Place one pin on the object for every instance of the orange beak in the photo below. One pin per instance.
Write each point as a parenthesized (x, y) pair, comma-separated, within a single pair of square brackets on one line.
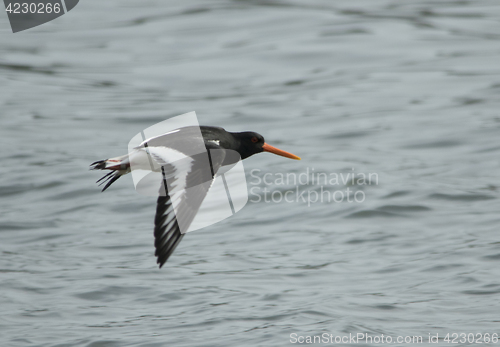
[(269, 148)]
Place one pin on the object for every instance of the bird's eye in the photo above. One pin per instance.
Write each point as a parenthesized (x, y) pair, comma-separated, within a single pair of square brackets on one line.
[(254, 139)]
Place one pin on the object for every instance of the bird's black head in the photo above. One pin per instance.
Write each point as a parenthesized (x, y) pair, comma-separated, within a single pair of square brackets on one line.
[(251, 143)]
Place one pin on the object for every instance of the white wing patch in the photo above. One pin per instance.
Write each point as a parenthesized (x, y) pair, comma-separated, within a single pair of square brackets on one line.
[(154, 137), (165, 155), (181, 162)]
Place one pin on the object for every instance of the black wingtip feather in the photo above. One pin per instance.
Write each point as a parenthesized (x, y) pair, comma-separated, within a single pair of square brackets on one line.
[(165, 242)]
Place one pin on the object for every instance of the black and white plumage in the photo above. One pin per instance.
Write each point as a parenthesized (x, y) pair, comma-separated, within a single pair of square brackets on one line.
[(188, 159), (170, 227)]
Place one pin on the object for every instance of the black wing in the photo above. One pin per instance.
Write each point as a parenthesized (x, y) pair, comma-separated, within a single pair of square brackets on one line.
[(187, 182)]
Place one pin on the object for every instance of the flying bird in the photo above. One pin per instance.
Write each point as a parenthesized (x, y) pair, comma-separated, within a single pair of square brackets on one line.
[(188, 172)]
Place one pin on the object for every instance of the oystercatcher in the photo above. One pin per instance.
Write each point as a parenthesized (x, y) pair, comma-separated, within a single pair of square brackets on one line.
[(184, 166)]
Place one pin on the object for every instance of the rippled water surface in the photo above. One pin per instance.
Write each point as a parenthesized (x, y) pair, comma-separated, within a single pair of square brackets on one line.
[(408, 90)]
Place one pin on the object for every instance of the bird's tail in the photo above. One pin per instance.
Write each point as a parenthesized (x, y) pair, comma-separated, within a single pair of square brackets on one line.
[(119, 166)]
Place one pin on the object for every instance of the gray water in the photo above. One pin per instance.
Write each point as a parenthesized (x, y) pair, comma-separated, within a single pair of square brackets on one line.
[(408, 90)]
